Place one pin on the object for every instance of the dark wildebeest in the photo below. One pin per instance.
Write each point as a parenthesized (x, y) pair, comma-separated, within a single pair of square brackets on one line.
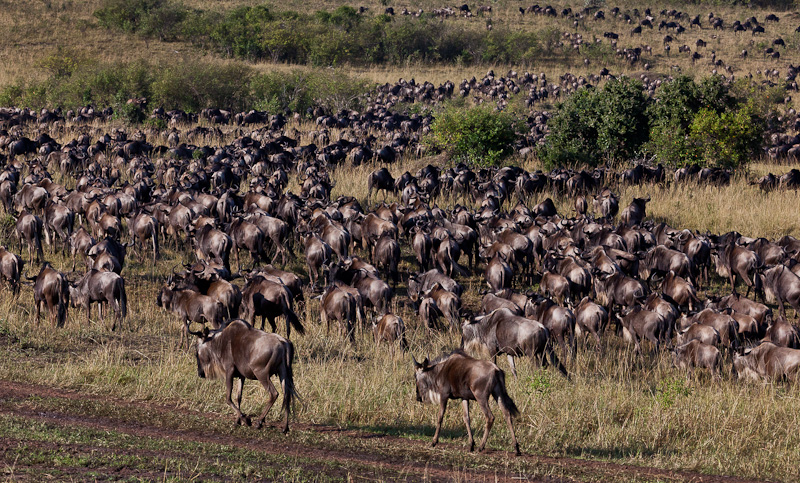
[(59, 219), (697, 354), (619, 289), (81, 242), (459, 376), (239, 351), (386, 255), (10, 268), (556, 286), (144, 226), (318, 253), (503, 332), (101, 287), (390, 328), (767, 361), (726, 325), (212, 244), (269, 298), (52, 289), (635, 212), (248, 236), (380, 180), (681, 291), (499, 274), (560, 321), (660, 260), (781, 285)]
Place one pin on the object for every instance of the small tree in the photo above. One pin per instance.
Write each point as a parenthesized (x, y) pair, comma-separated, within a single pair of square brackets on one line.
[(478, 135), (729, 139)]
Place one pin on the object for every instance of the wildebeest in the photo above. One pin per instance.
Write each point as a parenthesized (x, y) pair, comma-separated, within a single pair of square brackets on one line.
[(767, 361), (638, 323), (101, 287), (732, 260), (191, 307), (239, 351), (503, 332), (697, 354), (390, 328), (590, 318), (337, 303), (783, 334), (459, 376), (269, 298), (635, 212), (10, 268), (29, 227), (781, 285), (51, 288)]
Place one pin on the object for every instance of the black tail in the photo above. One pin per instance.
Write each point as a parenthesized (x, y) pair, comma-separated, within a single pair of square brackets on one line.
[(289, 392), (294, 321), (502, 396), (554, 359)]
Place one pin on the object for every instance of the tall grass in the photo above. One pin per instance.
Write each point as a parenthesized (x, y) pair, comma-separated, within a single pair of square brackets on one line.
[(617, 407)]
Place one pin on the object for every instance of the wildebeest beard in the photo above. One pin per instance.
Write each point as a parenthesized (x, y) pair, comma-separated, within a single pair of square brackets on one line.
[(208, 365)]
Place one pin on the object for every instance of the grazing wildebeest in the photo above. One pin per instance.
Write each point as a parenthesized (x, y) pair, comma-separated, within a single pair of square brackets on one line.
[(459, 376), (101, 287), (783, 334), (767, 361), (29, 227), (239, 351), (52, 289), (697, 354), (639, 323)]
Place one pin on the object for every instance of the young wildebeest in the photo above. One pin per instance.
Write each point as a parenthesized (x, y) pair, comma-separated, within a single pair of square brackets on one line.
[(10, 268), (51, 288), (337, 303), (239, 351), (697, 354), (269, 297), (459, 376), (503, 332), (101, 287), (768, 361)]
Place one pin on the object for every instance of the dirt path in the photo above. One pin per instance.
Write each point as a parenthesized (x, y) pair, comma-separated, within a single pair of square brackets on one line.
[(373, 456)]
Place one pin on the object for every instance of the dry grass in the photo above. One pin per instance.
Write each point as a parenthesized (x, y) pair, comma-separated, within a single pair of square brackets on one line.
[(615, 408)]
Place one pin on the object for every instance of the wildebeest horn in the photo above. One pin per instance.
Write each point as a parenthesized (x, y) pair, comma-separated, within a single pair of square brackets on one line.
[(197, 333), (414, 360)]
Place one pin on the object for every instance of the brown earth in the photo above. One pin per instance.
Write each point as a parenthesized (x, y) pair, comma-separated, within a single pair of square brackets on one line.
[(20, 400)]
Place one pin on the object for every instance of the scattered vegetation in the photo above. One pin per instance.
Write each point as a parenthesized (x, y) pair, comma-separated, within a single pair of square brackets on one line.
[(190, 85)]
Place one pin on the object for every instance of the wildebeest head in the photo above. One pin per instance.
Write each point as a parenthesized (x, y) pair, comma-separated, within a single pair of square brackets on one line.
[(424, 381)]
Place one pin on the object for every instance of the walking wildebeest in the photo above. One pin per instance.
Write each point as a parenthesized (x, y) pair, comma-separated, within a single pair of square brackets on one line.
[(10, 268), (240, 351), (459, 376)]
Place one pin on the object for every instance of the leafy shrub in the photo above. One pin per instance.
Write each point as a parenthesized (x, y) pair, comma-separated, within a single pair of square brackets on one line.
[(729, 139), (478, 135), (670, 390), (597, 125)]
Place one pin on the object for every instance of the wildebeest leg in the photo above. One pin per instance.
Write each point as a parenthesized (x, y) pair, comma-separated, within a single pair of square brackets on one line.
[(239, 395), (442, 409), (471, 441), (483, 401), (510, 424), (240, 418), (511, 363)]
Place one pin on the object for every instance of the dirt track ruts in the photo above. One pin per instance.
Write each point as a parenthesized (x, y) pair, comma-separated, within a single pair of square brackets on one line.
[(13, 393)]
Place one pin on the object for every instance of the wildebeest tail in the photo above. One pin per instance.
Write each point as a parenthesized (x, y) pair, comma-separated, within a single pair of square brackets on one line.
[(123, 299), (291, 316), (63, 303), (289, 392), (554, 358), (502, 396)]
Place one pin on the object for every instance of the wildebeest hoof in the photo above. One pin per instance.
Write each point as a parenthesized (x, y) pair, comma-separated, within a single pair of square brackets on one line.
[(285, 430), (243, 420), (433, 444), (471, 447)]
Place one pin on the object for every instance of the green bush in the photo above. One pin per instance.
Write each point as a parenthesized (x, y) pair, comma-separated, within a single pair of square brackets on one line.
[(478, 135), (729, 139), (596, 125)]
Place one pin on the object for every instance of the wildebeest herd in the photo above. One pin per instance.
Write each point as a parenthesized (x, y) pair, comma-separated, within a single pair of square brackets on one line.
[(608, 266)]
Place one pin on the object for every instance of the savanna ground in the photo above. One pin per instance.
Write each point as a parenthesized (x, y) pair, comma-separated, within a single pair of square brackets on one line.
[(84, 403)]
